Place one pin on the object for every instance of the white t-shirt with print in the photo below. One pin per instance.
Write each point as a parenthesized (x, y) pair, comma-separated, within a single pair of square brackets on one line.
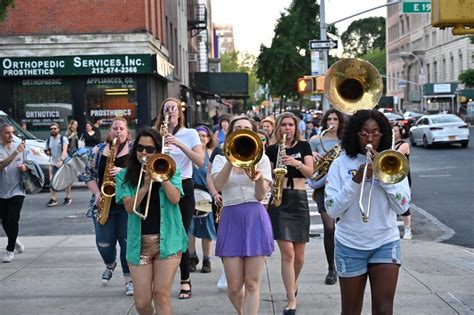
[(190, 138), (56, 149)]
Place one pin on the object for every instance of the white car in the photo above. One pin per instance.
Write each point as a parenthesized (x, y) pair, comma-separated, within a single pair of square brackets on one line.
[(34, 146), (440, 128)]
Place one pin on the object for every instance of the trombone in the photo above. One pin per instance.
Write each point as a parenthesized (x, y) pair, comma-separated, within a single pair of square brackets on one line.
[(244, 149), (160, 167), (389, 167)]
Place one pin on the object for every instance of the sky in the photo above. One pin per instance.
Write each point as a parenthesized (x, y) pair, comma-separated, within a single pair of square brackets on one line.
[(254, 20)]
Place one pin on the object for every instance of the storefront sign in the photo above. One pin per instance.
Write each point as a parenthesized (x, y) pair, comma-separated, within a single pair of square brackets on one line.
[(75, 65), (164, 68), (442, 88)]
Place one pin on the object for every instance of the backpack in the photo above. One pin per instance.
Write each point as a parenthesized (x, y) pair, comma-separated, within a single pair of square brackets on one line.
[(61, 143)]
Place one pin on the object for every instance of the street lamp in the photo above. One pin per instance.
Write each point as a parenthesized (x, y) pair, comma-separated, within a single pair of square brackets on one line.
[(421, 79)]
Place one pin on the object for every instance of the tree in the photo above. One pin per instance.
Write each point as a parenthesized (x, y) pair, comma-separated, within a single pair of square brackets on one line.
[(377, 58), (363, 36), (4, 4), (467, 78), (288, 56)]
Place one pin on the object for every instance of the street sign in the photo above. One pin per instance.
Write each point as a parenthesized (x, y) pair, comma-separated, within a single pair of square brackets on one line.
[(416, 6), (322, 44)]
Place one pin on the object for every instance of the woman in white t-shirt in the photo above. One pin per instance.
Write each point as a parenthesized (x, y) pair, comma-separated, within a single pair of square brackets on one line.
[(185, 148), (245, 235)]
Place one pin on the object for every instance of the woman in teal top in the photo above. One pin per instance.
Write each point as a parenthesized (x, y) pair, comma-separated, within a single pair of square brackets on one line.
[(154, 244)]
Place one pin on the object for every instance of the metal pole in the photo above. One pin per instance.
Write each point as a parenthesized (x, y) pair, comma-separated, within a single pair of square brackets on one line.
[(324, 52)]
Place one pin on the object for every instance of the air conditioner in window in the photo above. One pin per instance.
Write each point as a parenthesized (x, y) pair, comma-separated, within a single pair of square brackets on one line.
[(193, 57)]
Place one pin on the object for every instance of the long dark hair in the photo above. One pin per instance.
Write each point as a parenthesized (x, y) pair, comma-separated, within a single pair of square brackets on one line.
[(350, 141), (133, 164), (340, 116)]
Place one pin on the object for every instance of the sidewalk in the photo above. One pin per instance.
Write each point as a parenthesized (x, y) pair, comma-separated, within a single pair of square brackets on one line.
[(61, 275)]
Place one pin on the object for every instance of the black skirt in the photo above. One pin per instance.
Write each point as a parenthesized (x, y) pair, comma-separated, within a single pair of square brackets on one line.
[(290, 221)]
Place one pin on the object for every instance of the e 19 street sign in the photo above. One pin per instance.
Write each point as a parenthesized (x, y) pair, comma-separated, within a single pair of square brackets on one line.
[(416, 6)]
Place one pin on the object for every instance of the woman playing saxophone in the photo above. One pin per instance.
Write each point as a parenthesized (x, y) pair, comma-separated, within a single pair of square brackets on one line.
[(331, 124), (290, 220), (114, 228)]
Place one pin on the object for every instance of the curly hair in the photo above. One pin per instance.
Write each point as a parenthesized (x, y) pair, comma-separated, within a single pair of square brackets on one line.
[(350, 140), (340, 116), (133, 164)]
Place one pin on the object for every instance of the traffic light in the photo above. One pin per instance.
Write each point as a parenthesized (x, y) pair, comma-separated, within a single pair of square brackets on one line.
[(311, 84), (306, 85), (453, 13)]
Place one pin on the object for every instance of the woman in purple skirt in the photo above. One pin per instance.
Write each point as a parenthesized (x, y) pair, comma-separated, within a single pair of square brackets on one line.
[(244, 236)]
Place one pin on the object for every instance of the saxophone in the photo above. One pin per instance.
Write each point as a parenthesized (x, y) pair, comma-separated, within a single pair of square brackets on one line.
[(108, 186), (165, 149), (321, 167), (279, 172)]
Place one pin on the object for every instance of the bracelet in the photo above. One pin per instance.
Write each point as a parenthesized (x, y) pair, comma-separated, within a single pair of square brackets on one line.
[(299, 166)]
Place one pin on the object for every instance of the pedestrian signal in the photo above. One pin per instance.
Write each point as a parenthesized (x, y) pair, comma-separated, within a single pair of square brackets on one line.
[(320, 84), (306, 85)]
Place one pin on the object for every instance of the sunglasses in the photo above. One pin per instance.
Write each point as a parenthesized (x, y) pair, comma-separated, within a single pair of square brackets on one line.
[(53, 128), (148, 148), (170, 109)]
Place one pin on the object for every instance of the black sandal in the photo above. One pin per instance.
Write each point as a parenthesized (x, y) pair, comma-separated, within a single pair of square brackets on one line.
[(185, 294)]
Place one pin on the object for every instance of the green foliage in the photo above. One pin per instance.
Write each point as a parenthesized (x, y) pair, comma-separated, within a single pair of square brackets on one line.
[(363, 36), (467, 77), (377, 58), (236, 61), (288, 56), (4, 4)]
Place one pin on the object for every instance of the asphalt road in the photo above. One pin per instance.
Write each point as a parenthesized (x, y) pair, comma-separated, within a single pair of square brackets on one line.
[(443, 186)]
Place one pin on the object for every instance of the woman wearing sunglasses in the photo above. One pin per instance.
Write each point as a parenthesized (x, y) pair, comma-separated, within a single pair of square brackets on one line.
[(185, 148), (155, 244), (365, 249)]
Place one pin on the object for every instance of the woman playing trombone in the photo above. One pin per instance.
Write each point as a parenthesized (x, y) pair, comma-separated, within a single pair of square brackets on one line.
[(366, 246), (244, 236), (156, 242)]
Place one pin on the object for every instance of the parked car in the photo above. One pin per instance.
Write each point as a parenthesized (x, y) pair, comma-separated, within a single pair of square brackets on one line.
[(439, 128), (34, 147), (395, 117)]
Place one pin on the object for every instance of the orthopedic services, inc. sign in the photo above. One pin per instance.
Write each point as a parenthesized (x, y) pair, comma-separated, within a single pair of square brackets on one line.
[(76, 65)]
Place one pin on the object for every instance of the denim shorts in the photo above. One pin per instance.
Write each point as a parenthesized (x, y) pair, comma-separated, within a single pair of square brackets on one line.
[(351, 262)]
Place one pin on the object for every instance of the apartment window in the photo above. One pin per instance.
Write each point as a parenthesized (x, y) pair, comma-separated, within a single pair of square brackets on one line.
[(402, 24), (435, 72), (451, 67), (460, 63), (443, 70), (428, 73), (434, 39), (427, 40)]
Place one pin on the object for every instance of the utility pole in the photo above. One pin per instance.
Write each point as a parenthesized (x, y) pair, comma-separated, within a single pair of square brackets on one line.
[(324, 52)]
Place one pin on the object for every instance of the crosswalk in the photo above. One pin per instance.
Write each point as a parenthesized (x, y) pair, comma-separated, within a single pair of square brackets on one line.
[(316, 228)]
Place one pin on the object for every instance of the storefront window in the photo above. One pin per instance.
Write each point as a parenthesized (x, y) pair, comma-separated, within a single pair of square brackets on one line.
[(110, 97), (39, 102)]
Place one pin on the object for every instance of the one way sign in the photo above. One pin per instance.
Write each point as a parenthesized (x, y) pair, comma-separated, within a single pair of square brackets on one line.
[(322, 44)]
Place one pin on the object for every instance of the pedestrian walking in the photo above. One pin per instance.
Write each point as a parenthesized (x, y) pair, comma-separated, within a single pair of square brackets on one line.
[(202, 225), (365, 248), (290, 220), (223, 129), (403, 147), (154, 244), (91, 136), (73, 139), (332, 122), (12, 193), (104, 163), (57, 149), (185, 148), (244, 236)]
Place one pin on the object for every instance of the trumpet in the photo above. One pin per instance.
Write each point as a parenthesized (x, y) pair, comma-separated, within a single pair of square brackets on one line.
[(389, 167)]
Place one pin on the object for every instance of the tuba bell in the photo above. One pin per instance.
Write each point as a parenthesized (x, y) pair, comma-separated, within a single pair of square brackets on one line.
[(244, 149), (352, 84)]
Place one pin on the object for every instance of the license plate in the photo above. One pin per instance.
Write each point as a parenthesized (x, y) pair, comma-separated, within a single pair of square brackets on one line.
[(452, 138)]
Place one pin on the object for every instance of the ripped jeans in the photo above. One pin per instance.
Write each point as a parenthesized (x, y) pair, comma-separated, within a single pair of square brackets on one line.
[(107, 235)]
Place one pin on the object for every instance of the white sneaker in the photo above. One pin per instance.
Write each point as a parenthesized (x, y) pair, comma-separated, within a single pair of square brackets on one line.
[(222, 282), (407, 234), (8, 257), (129, 288), (19, 247)]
